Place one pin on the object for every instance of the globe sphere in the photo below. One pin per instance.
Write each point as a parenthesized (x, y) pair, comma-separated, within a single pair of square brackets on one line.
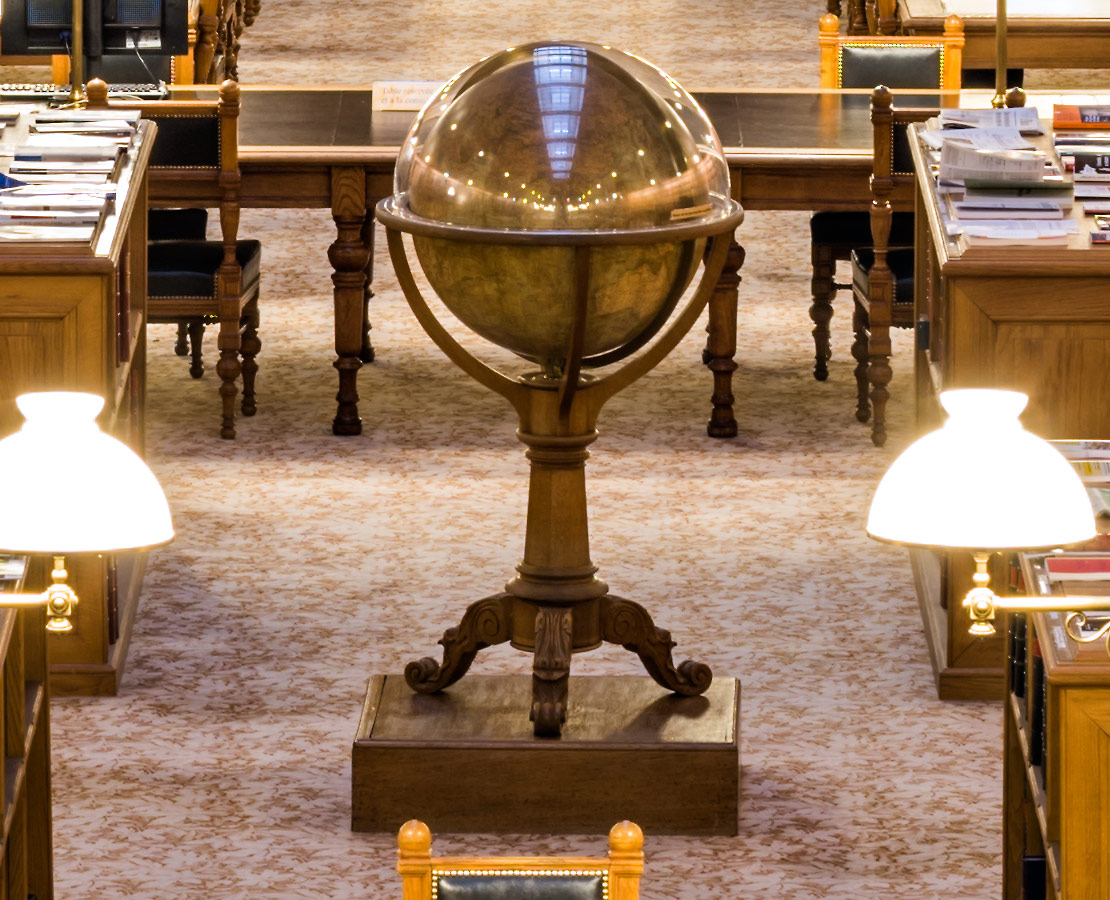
[(543, 148)]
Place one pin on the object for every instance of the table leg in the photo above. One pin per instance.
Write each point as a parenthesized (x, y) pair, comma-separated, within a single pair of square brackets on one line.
[(366, 353), (348, 255), (720, 348)]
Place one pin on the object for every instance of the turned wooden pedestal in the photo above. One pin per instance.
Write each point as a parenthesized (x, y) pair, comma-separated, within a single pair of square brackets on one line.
[(465, 760)]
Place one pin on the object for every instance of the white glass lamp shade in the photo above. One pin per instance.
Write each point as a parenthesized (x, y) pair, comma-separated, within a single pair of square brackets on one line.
[(981, 482), (67, 487)]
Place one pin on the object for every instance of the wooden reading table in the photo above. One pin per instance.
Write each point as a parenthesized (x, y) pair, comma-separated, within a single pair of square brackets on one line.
[(1067, 34), (320, 147)]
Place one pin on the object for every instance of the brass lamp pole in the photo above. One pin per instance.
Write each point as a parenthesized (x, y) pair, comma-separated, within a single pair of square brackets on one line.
[(999, 99), (77, 55)]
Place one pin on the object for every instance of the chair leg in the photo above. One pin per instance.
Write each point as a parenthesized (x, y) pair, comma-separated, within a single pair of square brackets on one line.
[(181, 348), (833, 6), (823, 287), (249, 349), (878, 373), (196, 340), (859, 353)]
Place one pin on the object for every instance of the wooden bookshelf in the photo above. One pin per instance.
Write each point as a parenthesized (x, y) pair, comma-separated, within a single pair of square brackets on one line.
[(1056, 793), (73, 317), (26, 855), (1032, 319)]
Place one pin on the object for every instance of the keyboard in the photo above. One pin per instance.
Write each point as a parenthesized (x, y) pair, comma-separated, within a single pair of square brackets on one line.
[(61, 91)]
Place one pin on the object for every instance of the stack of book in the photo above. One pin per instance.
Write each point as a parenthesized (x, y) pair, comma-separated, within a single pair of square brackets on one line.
[(1082, 138), (1091, 460), (996, 186), (60, 171)]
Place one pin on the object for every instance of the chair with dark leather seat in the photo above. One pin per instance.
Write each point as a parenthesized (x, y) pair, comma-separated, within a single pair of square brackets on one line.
[(189, 224), (193, 281), (424, 877), (851, 61)]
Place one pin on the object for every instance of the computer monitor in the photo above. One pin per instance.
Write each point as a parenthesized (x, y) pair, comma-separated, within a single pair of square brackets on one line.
[(151, 29)]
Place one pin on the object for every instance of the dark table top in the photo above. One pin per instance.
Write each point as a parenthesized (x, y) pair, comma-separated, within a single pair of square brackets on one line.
[(276, 121)]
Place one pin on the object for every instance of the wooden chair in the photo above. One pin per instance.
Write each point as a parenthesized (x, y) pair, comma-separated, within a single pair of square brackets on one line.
[(847, 61), (191, 281), (899, 61), (424, 877), (883, 275)]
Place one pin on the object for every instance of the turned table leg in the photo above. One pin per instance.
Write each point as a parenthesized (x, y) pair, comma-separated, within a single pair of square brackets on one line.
[(348, 255), (720, 348), (366, 352)]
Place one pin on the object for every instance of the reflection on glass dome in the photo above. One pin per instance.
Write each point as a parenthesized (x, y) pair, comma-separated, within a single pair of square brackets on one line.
[(562, 136), (537, 150)]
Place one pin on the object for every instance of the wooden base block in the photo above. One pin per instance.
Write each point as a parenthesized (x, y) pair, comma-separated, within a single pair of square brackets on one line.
[(466, 761)]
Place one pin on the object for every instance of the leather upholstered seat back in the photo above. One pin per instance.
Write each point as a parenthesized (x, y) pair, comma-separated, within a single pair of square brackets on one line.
[(895, 65), (613, 877), (523, 885)]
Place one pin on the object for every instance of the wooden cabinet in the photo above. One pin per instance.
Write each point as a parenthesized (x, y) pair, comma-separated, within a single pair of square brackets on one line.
[(26, 855), (1032, 319), (1056, 799), (73, 317)]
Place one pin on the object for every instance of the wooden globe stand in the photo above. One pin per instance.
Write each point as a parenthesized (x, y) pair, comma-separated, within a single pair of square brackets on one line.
[(556, 605)]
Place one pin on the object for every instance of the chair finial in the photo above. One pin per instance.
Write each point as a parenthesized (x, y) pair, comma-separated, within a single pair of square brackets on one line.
[(882, 97), (829, 24), (414, 838), (96, 91), (626, 837)]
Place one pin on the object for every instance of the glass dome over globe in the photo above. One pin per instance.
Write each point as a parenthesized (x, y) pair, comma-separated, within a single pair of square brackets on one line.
[(538, 151)]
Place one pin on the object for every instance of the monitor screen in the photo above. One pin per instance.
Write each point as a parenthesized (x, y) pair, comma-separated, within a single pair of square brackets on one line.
[(44, 27)]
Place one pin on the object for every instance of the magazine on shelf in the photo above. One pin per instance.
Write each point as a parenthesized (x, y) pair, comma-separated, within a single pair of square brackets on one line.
[(1078, 567), (1023, 118), (978, 138), (1088, 166), (1006, 208), (1026, 232), (53, 217), (958, 163), (1081, 117)]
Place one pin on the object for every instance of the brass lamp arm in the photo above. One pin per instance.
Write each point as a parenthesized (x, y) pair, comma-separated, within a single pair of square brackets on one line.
[(981, 604), (58, 598), (22, 600)]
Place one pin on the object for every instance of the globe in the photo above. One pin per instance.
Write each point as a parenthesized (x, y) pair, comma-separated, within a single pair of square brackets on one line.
[(533, 154)]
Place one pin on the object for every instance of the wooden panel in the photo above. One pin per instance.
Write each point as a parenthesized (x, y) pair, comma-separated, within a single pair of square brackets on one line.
[(1085, 783), (50, 338)]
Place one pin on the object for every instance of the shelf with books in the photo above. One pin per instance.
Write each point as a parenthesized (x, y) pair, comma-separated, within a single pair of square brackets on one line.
[(1056, 800), (73, 317), (26, 844)]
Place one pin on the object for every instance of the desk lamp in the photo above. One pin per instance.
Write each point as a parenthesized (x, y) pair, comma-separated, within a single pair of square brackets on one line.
[(982, 483), (71, 488)]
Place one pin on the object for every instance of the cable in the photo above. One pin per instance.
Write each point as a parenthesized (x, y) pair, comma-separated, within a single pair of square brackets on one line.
[(134, 41)]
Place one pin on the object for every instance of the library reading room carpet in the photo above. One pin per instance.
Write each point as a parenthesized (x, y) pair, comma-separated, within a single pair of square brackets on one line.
[(305, 562)]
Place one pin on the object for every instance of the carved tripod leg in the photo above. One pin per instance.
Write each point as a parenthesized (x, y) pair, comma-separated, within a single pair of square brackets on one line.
[(484, 623), (629, 624), (550, 671)]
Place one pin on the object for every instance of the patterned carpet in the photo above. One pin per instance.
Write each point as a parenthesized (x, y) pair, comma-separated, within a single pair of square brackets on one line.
[(305, 562)]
